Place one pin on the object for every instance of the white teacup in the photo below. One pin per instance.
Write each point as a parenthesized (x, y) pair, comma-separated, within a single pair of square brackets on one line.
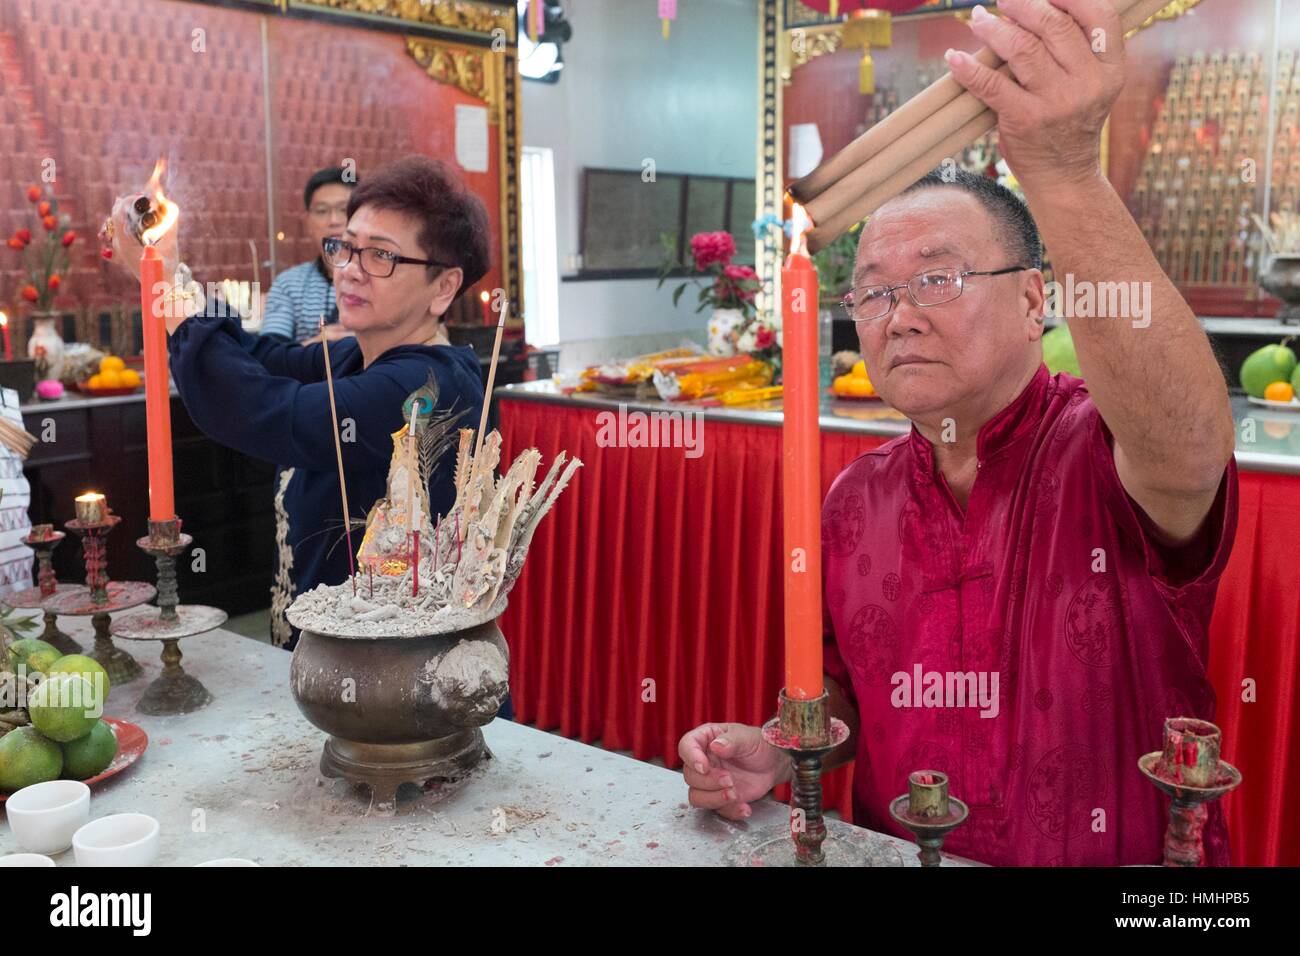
[(44, 816), (25, 859), (228, 861), (123, 839)]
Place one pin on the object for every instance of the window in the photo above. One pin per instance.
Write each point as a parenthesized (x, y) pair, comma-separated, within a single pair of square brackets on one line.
[(540, 255)]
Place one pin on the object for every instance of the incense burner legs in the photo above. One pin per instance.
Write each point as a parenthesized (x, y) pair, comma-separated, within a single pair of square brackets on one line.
[(401, 710)]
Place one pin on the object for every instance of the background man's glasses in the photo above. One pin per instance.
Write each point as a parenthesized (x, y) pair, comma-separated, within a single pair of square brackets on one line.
[(934, 287), (327, 212), (375, 262)]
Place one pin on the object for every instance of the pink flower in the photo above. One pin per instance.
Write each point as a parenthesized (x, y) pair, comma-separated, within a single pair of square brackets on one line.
[(764, 338), (712, 247), (741, 281)]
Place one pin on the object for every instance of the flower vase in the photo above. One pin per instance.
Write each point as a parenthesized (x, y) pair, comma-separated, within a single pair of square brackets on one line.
[(723, 326), (45, 345)]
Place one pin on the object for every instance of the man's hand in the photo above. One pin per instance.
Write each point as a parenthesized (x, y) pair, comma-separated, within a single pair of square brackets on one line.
[(1067, 69), (728, 765)]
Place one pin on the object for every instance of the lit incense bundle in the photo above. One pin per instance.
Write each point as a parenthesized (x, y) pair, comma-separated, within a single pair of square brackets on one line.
[(936, 124)]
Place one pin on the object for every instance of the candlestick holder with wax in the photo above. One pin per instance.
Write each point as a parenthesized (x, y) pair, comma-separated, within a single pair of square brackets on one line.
[(1190, 771), (173, 691), (99, 598), (805, 731), (43, 539), (929, 812)]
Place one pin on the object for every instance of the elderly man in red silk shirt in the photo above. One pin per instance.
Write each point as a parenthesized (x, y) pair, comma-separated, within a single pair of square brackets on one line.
[(1061, 542)]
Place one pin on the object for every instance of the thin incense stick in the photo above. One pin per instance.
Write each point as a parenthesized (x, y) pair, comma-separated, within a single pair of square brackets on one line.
[(338, 454), (412, 526), (492, 375)]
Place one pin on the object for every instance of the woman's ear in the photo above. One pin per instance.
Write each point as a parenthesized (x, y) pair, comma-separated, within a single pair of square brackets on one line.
[(445, 286)]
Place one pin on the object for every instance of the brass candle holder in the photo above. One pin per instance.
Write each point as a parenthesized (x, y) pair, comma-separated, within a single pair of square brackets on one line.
[(929, 812), (43, 539), (1190, 771), (99, 598), (805, 730), (174, 691)]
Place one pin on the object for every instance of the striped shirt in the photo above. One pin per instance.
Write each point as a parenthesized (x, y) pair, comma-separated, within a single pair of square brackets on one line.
[(299, 296)]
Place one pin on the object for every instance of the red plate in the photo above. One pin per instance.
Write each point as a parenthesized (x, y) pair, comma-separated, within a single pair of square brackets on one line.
[(131, 743), (85, 389), (854, 398)]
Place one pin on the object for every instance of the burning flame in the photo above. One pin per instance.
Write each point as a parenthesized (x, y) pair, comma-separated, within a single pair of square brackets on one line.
[(800, 224), (4, 319), (169, 210)]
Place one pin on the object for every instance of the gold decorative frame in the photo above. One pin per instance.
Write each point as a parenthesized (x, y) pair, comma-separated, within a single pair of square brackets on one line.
[(770, 191), (455, 16)]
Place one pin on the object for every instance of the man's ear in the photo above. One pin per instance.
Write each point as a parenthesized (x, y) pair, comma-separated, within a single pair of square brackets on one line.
[(1033, 299)]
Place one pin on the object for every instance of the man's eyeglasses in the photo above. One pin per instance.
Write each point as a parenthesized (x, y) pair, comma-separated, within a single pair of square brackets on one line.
[(934, 287), (375, 262), (322, 211)]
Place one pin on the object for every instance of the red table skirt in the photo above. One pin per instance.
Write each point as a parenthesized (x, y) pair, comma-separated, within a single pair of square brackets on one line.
[(651, 603)]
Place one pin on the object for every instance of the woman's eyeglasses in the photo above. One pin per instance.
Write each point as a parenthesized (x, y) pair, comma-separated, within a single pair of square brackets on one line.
[(375, 262), (934, 287)]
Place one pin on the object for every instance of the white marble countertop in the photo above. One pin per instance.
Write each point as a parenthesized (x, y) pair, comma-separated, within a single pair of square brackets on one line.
[(239, 779)]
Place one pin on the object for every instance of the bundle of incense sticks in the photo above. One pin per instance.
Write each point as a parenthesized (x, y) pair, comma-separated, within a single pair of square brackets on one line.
[(937, 123)]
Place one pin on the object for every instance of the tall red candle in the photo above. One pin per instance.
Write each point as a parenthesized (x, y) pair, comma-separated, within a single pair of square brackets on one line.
[(157, 397), (9, 349), (484, 298), (801, 470)]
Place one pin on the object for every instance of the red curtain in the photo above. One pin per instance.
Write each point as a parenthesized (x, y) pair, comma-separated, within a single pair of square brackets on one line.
[(651, 602)]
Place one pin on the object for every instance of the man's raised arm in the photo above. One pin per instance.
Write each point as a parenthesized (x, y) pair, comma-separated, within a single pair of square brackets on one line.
[(1150, 370)]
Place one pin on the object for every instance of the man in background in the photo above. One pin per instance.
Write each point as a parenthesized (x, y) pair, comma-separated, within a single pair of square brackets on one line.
[(303, 293)]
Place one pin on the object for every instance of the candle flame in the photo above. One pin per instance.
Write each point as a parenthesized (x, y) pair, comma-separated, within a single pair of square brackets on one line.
[(4, 319), (169, 210), (800, 224), (484, 295), (89, 496)]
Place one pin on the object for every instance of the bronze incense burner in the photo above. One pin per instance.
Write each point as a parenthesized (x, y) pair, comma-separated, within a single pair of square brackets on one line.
[(401, 709)]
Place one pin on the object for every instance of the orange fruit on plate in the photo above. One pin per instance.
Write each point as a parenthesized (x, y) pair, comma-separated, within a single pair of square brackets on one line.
[(130, 378), (111, 363), (860, 387), (1279, 392), (110, 379), (95, 381)]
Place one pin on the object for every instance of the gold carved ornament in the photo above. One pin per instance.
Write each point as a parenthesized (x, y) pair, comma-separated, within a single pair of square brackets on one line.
[(467, 70)]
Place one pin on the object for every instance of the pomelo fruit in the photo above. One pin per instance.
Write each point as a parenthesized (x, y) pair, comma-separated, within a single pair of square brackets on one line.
[(91, 754), (1263, 367), (65, 707), (1295, 379), (37, 655), (26, 757), (81, 664)]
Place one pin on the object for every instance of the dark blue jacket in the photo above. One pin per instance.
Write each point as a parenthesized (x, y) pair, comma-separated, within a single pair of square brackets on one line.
[(269, 400)]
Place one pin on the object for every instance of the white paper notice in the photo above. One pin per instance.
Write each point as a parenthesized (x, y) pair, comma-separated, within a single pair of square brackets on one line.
[(472, 138), (805, 149)]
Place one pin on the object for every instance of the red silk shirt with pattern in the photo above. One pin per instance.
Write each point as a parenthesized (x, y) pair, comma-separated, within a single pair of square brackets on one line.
[(1054, 578)]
